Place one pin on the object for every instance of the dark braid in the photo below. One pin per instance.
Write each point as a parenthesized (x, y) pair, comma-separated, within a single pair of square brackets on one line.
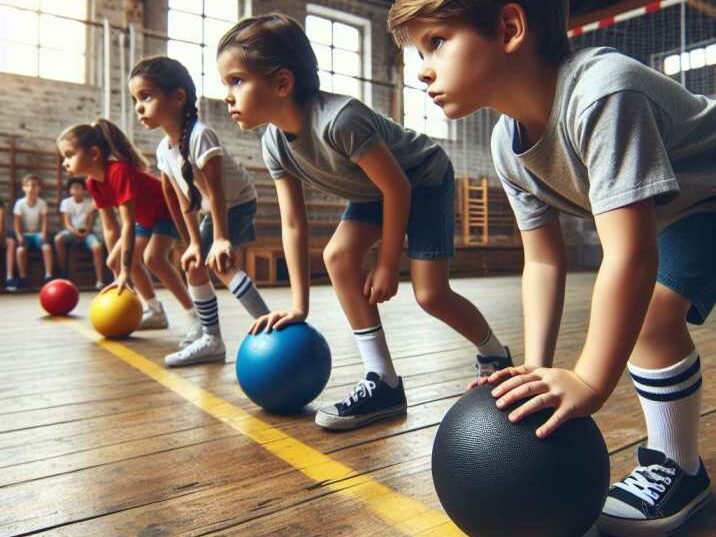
[(169, 75)]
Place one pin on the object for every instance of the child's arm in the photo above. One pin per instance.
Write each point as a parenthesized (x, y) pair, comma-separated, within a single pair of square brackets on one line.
[(621, 297), (185, 221), (220, 255), (172, 197), (44, 226), (68, 224), (89, 223), (294, 235), (2, 222), (126, 244), (17, 226), (380, 166)]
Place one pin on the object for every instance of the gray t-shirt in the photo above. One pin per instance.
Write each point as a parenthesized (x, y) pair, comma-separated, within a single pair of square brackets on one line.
[(204, 145), (336, 132), (619, 132)]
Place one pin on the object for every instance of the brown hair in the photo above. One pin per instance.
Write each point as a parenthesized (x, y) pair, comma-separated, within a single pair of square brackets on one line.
[(169, 75), (268, 43), (110, 140), (548, 18), (31, 177)]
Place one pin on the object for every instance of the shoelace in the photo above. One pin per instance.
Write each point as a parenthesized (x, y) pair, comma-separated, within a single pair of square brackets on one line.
[(648, 482), (363, 389)]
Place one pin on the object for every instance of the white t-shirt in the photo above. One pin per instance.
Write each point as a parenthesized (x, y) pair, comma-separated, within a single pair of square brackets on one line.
[(77, 212), (204, 145), (31, 216)]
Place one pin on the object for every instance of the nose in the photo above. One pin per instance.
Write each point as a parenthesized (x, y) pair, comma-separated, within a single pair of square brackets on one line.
[(139, 108), (426, 75), (228, 98)]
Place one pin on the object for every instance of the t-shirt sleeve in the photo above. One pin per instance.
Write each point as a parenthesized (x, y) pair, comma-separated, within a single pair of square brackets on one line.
[(530, 211), (162, 163), (63, 205), (123, 184), (620, 142), (17, 208), (270, 152), (205, 147), (354, 130)]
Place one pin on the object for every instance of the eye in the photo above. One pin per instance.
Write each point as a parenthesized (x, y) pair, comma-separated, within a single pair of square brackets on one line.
[(436, 42), (235, 80)]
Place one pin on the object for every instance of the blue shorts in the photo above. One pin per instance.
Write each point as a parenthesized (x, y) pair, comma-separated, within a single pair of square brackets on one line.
[(161, 227), (687, 264), (431, 224), (240, 221), (33, 240), (70, 238)]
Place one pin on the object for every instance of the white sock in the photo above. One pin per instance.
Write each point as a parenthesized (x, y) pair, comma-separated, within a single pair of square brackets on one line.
[(242, 287), (207, 307), (671, 401), (154, 305), (491, 346), (375, 354)]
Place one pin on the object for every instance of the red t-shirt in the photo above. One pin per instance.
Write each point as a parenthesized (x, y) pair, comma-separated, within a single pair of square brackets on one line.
[(124, 183)]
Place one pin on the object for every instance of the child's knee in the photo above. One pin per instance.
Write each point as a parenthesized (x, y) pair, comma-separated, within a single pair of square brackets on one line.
[(337, 259), (666, 314), (46, 248), (430, 299), (153, 261), (59, 241)]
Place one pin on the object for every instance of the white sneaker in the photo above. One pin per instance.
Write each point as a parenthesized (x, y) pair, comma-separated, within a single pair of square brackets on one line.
[(207, 348), (194, 332), (153, 320), (99, 286)]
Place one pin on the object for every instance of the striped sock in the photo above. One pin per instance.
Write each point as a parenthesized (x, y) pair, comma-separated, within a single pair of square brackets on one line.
[(207, 307), (671, 400), (244, 290), (375, 354)]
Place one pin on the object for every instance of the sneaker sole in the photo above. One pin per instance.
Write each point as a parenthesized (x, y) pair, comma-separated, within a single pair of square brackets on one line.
[(200, 360), (150, 327), (627, 527), (338, 423)]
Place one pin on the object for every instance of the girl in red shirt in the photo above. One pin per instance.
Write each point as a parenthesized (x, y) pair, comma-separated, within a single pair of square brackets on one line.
[(116, 177)]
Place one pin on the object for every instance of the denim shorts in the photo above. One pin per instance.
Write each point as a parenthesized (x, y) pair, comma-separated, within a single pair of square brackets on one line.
[(240, 221), (70, 238), (33, 240), (687, 264), (163, 226), (431, 224)]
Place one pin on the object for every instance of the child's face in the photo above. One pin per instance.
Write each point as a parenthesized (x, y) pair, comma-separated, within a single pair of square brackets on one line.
[(77, 160), (250, 97), (31, 188), (460, 68), (154, 108), (77, 192)]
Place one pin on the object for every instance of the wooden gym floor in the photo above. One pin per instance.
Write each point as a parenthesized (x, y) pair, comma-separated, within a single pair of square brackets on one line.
[(99, 439)]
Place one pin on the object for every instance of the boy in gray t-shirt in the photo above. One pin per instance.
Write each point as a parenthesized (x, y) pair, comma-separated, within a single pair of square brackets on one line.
[(597, 135)]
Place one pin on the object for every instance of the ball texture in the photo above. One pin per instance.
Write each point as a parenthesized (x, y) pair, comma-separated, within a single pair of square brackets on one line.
[(59, 297), (116, 315)]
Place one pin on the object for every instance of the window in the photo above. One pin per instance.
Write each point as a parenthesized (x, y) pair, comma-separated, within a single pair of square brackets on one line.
[(341, 44), (696, 58), (195, 28), (419, 111), (44, 38)]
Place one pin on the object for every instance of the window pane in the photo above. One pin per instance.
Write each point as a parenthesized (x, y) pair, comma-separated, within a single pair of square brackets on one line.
[(346, 85), (222, 9), (323, 55), (346, 37), (412, 67), (184, 26), (18, 26), (436, 129), (61, 65), (62, 34), (711, 55), (414, 103), (29, 4), (347, 63), (433, 110), (212, 81), (76, 9), (214, 30), (186, 5), (672, 64), (697, 58), (20, 59), (326, 81), (318, 29), (417, 123), (190, 56)]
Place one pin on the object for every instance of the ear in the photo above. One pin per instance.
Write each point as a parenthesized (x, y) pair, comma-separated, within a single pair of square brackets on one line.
[(95, 154), (179, 97), (284, 82), (512, 27)]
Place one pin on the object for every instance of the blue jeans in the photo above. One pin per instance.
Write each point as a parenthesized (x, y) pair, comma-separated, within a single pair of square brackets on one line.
[(687, 262), (431, 224)]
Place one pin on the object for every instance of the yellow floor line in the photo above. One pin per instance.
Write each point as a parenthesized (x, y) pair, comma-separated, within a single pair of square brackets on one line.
[(409, 516)]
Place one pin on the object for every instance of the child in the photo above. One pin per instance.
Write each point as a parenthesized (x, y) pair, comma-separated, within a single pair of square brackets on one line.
[(198, 171), (78, 214), (599, 135), (116, 178), (30, 232), (395, 180)]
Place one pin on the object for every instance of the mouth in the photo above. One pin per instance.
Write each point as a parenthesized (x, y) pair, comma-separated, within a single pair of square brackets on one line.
[(143, 120), (438, 98), (235, 114)]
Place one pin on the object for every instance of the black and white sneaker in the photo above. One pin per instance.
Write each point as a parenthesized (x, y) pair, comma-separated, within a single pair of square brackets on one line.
[(655, 499), (371, 400), (487, 365)]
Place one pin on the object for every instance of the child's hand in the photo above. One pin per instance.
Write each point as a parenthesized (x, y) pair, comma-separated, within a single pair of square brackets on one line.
[(121, 282), (221, 256), (381, 284), (276, 320), (561, 389), (191, 258)]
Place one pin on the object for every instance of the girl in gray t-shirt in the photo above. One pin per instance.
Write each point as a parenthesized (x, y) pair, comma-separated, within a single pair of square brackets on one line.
[(395, 180), (198, 173)]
